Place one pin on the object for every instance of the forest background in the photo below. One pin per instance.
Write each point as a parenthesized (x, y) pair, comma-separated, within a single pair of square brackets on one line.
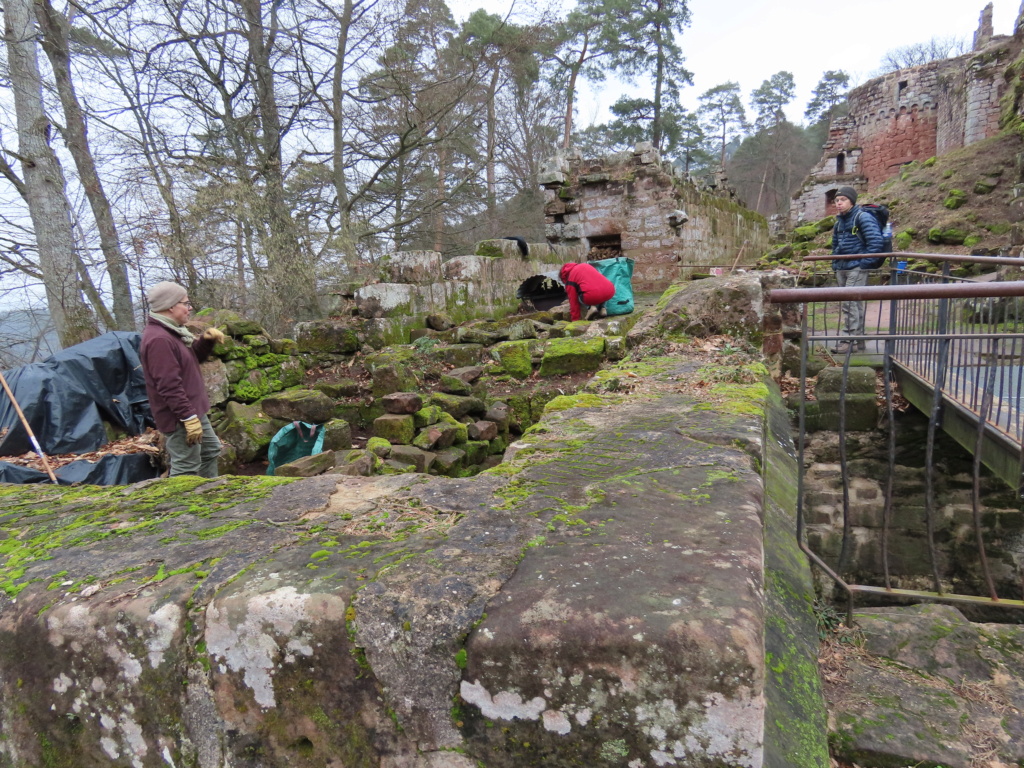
[(263, 153)]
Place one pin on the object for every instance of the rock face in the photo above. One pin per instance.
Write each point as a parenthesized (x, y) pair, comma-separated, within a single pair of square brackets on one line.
[(599, 599), (931, 688)]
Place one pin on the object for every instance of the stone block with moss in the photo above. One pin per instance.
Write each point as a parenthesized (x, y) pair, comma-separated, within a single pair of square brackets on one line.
[(421, 461), (572, 355), (902, 241), (454, 386), (805, 233), (395, 428), (948, 236), (461, 430), (427, 415), (984, 187), (379, 446), (388, 379), (247, 429), (860, 380), (476, 451), (307, 466), (458, 355), (458, 405), (338, 389), (337, 435), (861, 413), (306, 405), (326, 336), (514, 357), (955, 199), (498, 445), (450, 461)]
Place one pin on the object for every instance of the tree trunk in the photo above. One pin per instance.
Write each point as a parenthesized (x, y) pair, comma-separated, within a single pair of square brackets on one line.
[(290, 285), (54, 39), (44, 181), (659, 86), (570, 92), (492, 186)]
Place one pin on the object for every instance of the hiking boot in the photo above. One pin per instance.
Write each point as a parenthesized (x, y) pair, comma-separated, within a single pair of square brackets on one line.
[(843, 347), (861, 346), (592, 313), (602, 312)]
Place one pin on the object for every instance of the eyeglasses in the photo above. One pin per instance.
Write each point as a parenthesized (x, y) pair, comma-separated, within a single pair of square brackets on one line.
[(186, 303)]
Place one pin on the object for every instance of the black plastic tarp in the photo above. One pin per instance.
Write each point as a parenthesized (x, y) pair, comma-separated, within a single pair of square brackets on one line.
[(67, 397), (109, 470), (544, 291)]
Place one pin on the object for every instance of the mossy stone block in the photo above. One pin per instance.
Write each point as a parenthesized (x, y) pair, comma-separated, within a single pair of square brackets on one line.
[(326, 336), (515, 358), (861, 413), (458, 405), (307, 466), (397, 429), (860, 381), (421, 461), (450, 461), (306, 405), (337, 435), (983, 187), (476, 451), (379, 446), (805, 233), (955, 199), (338, 389), (453, 386), (427, 415), (458, 355), (572, 355)]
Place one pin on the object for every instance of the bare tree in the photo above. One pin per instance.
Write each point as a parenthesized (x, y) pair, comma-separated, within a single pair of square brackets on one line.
[(921, 53), (44, 184)]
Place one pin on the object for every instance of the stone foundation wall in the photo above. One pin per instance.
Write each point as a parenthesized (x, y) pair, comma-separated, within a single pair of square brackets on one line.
[(631, 204)]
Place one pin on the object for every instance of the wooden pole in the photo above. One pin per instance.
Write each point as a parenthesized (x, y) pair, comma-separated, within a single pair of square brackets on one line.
[(738, 257), (31, 434)]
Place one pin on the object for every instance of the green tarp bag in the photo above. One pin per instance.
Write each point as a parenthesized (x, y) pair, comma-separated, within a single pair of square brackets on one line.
[(620, 271), (294, 441)]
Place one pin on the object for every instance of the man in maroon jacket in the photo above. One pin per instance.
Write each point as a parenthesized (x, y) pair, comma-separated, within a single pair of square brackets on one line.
[(585, 285), (177, 395)]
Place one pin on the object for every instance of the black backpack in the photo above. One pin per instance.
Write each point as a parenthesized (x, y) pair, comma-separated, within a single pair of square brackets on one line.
[(881, 214)]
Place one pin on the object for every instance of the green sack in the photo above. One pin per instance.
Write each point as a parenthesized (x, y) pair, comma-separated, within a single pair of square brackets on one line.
[(620, 271), (294, 441)]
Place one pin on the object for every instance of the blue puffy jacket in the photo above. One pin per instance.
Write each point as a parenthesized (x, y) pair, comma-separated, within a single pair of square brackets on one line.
[(846, 240)]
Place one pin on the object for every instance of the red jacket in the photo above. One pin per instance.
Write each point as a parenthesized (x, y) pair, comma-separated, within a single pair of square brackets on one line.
[(173, 380), (585, 284)]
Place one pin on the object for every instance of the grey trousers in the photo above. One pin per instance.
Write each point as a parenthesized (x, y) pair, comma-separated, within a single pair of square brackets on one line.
[(199, 459), (853, 311)]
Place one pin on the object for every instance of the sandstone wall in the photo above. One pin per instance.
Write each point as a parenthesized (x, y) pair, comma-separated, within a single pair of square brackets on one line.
[(631, 204)]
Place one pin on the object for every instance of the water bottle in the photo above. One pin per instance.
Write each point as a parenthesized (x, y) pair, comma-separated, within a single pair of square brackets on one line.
[(887, 231)]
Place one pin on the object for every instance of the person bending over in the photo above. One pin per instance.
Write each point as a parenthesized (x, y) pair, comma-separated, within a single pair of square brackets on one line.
[(586, 286), (177, 395)]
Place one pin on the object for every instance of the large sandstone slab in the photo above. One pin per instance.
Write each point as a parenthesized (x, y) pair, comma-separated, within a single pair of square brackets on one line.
[(598, 600)]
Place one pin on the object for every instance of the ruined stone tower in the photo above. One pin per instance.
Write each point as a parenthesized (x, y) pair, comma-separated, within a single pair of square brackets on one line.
[(911, 114)]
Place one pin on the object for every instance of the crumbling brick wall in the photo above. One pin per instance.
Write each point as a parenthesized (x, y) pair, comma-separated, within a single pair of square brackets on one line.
[(908, 115)]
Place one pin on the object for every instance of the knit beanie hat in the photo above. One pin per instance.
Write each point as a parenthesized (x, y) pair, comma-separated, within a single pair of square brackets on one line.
[(165, 295), (849, 193)]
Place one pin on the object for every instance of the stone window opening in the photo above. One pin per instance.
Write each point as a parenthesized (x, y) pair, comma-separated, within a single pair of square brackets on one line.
[(604, 247), (830, 202), (900, 88), (841, 163)]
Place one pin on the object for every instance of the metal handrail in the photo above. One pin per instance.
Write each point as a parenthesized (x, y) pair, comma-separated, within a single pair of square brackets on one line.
[(928, 338)]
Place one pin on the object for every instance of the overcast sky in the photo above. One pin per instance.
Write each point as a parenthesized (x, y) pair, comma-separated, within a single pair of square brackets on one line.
[(748, 41)]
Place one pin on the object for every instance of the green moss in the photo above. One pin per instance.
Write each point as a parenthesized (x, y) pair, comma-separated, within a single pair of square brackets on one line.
[(565, 402)]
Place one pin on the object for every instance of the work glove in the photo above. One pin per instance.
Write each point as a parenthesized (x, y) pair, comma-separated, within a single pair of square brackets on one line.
[(214, 335), (193, 430)]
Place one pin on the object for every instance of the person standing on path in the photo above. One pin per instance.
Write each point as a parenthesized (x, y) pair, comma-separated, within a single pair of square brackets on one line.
[(855, 232), (170, 356)]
